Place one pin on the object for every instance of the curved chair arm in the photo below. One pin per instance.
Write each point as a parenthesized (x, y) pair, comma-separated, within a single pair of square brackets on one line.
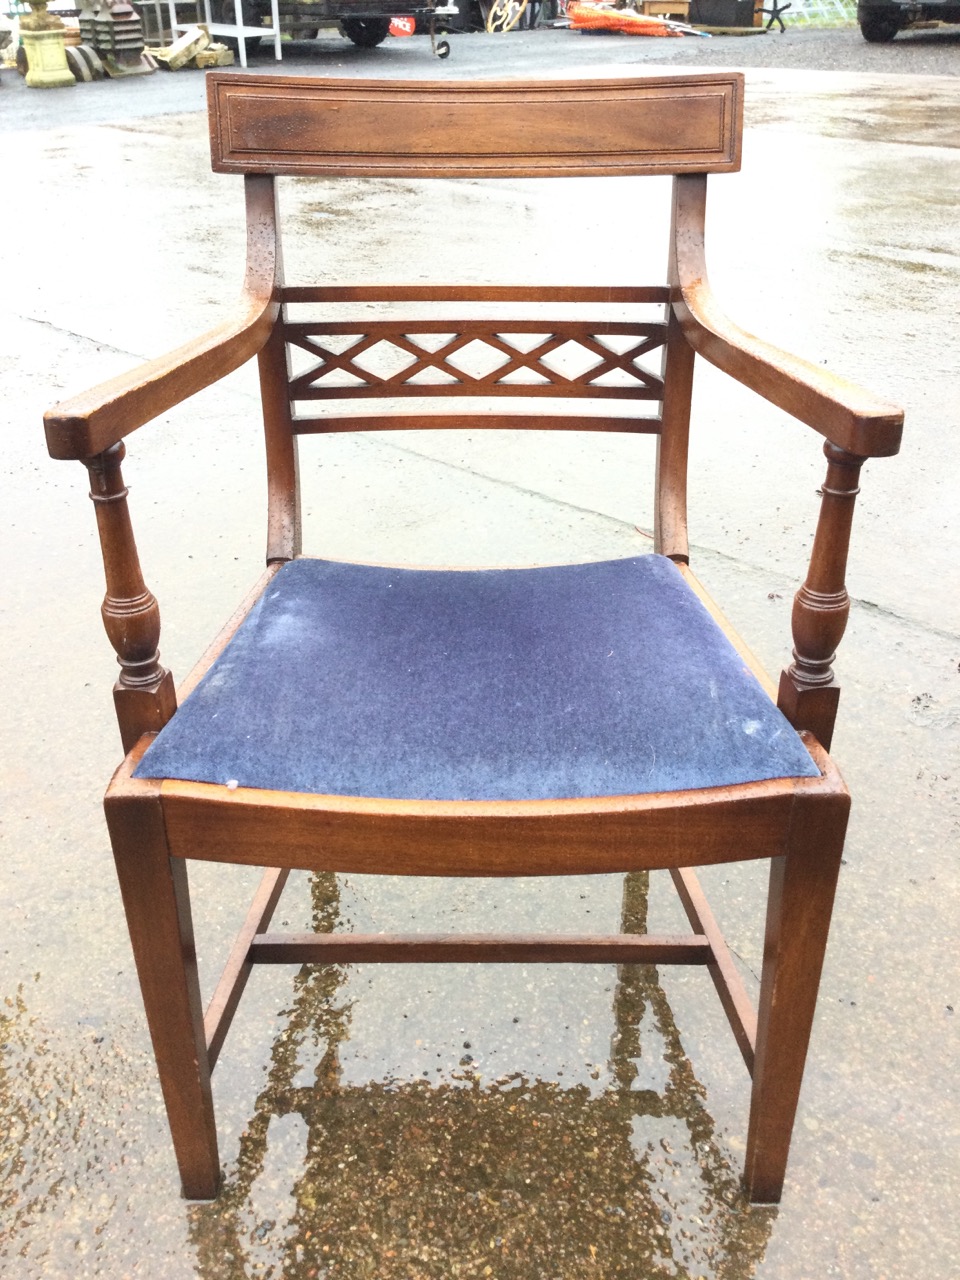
[(857, 426), (852, 418), (95, 420)]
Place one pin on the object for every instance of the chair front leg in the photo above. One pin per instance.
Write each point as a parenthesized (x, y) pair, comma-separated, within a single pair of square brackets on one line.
[(157, 904), (802, 887)]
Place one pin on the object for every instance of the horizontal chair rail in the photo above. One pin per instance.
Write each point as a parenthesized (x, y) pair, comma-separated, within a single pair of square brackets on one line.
[(385, 948), (705, 947), (470, 419), (324, 948), (486, 839), (476, 387), (474, 293), (471, 326)]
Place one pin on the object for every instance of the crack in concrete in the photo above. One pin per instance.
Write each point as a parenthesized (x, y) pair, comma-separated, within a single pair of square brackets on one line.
[(82, 337), (137, 357), (616, 521), (870, 605)]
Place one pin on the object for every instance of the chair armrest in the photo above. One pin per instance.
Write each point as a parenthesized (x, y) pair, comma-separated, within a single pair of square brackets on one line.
[(852, 418), (91, 422), (96, 419)]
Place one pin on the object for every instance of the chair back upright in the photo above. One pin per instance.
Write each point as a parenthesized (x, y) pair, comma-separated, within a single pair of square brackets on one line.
[(348, 357)]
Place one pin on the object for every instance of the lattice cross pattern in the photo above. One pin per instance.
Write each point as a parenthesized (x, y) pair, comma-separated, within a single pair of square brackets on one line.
[(496, 343)]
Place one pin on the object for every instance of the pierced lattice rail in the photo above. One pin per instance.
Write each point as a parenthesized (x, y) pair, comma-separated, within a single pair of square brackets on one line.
[(497, 356)]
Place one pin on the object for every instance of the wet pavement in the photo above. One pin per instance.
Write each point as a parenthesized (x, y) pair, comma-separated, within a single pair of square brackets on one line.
[(506, 1122)]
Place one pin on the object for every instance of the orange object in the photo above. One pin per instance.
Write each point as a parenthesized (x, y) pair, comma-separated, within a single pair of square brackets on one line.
[(590, 17)]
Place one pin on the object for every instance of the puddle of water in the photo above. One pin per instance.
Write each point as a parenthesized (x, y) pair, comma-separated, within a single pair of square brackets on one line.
[(71, 1145), (595, 1156), (611, 1169)]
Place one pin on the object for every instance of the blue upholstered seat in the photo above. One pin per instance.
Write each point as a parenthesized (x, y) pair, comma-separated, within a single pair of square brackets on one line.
[(577, 680)]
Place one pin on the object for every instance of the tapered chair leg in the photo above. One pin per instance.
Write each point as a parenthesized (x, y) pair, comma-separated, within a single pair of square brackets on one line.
[(157, 904), (802, 886)]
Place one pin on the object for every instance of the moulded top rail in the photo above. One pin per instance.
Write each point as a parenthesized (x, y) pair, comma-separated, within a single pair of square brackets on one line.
[(475, 129)]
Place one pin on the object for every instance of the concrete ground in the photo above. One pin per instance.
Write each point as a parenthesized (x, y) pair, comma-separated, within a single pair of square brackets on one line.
[(504, 1122)]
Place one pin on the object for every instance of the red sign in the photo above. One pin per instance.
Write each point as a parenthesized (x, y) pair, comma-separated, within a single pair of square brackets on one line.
[(403, 26)]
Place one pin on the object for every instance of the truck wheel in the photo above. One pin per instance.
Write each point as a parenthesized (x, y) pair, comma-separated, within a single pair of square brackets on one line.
[(879, 28), (225, 11), (365, 32)]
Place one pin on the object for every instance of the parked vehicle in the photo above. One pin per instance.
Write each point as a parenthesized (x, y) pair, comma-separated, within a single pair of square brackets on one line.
[(365, 22), (880, 20)]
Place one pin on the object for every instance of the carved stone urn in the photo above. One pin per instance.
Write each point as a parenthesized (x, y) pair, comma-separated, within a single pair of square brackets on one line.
[(42, 36)]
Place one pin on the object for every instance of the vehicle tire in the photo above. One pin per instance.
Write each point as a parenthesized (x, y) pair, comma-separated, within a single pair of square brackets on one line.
[(225, 11), (879, 28), (365, 33)]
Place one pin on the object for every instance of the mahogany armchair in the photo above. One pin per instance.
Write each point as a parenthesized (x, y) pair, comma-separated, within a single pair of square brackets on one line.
[(560, 720)]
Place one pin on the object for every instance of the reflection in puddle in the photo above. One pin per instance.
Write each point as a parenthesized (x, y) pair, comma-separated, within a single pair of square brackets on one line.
[(38, 1100), (70, 1142), (471, 1176)]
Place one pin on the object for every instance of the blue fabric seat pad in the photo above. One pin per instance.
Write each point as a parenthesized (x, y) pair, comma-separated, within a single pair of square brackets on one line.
[(578, 680)]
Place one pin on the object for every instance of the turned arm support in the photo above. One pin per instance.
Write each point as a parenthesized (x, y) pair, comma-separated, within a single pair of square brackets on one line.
[(88, 424), (143, 695), (852, 418), (809, 694)]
